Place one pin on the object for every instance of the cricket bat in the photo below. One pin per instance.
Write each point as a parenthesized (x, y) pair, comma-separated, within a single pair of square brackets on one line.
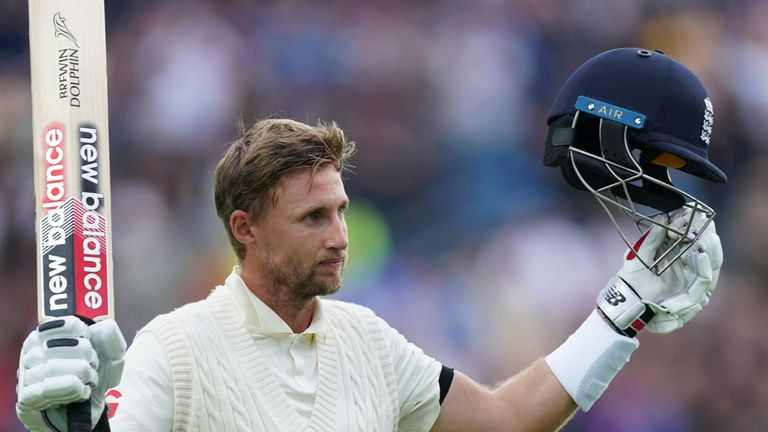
[(71, 165)]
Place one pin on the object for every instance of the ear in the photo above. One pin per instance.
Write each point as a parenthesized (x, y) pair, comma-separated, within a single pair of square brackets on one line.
[(240, 223)]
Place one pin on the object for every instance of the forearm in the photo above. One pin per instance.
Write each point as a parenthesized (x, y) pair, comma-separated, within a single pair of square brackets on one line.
[(545, 395), (534, 400)]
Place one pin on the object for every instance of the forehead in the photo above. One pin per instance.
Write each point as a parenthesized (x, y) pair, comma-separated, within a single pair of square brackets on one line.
[(301, 189)]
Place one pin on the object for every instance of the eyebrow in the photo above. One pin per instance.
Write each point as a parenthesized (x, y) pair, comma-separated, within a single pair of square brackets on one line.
[(300, 210)]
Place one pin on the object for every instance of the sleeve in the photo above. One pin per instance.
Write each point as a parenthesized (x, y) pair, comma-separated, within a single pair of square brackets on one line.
[(144, 398), (418, 386)]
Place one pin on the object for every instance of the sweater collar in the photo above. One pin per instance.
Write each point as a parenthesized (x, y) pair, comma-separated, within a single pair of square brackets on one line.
[(260, 318)]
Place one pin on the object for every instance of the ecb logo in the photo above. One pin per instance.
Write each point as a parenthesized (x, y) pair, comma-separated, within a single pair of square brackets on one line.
[(709, 120)]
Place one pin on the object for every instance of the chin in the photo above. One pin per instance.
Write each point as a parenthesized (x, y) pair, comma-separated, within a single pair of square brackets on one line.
[(328, 290)]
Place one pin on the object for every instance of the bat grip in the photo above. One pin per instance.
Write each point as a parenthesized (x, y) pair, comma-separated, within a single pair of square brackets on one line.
[(79, 413), (79, 416)]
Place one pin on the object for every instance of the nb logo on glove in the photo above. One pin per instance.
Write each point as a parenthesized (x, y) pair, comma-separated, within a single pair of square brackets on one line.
[(614, 297)]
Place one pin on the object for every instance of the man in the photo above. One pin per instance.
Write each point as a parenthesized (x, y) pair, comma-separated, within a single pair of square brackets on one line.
[(265, 352)]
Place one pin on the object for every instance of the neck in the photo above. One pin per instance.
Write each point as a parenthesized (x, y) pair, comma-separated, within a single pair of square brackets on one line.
[(297, 313)]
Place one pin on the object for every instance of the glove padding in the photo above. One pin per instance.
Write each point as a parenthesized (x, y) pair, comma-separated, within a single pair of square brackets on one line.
[(636, 297), (65, 361)]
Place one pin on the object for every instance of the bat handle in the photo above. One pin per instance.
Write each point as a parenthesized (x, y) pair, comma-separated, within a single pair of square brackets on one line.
[(79, 416), (79, 413)]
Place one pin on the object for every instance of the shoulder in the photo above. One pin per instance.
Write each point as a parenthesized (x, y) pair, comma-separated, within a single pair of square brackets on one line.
[(353, 318), (337, 310), (194, 311), (176, 329), (335, 307)]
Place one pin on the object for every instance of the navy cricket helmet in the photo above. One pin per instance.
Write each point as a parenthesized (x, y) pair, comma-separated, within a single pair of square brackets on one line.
[(620, 121)]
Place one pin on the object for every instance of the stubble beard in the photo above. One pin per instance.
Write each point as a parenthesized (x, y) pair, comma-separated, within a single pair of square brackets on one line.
[(298, 284)]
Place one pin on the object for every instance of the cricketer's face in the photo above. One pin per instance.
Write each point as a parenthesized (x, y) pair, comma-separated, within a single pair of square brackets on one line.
[(301, 241)]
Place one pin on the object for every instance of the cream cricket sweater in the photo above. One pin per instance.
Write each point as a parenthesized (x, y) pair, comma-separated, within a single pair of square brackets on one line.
[(368, 378)]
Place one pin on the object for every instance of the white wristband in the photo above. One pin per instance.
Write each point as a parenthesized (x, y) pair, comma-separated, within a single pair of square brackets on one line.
[(589, 359)]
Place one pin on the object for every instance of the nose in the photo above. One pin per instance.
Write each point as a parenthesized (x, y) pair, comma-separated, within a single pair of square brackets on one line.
[(337, 237)]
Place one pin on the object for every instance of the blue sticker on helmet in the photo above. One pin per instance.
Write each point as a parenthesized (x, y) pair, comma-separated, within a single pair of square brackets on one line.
[(610, 112)]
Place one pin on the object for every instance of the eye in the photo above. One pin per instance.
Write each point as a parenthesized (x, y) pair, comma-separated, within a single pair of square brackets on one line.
[(313, 216)]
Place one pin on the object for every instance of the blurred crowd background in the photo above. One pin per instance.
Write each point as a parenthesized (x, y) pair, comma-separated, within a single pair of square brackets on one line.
[(461, 238)]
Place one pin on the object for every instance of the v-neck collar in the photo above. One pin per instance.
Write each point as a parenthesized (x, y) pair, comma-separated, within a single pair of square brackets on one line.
[(266, 386), (259, 318)]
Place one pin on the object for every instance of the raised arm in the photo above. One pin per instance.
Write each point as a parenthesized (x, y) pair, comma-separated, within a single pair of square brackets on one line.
[(546, 394), (533, 400)]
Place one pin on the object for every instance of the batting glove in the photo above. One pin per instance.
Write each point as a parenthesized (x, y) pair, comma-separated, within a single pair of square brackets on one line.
[(637, 298), (65, 361)]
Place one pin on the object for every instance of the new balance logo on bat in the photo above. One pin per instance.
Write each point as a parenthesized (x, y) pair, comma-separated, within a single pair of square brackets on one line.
[(73, 232), (614, 297)]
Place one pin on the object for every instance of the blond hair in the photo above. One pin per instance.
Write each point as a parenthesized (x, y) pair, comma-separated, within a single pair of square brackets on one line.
[(255, 162)]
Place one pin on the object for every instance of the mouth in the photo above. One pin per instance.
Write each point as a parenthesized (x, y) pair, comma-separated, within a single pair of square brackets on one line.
[(335, 263)]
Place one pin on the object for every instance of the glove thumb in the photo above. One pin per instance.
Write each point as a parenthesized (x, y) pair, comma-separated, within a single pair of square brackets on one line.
[(109, 344)]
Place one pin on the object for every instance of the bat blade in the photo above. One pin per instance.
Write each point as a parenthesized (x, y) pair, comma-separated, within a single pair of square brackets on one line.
[(71, 159)]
